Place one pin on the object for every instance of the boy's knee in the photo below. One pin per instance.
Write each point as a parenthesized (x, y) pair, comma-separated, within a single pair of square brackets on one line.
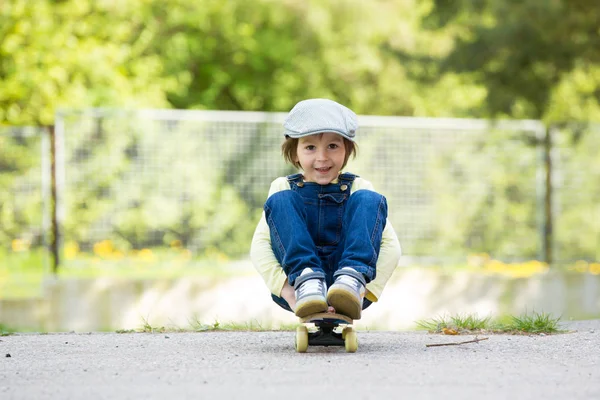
[(285, 198), (364, 197)]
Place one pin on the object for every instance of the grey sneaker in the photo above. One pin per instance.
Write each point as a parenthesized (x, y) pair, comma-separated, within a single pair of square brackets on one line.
[(311, 293), (347, 292)]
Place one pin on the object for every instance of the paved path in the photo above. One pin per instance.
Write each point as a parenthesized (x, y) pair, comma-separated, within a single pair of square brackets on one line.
[(263, 365)]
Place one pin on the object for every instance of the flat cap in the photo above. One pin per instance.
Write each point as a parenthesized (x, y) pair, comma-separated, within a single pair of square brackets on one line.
[(313, 116)]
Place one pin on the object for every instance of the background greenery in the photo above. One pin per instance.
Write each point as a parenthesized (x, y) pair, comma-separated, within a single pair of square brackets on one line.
[(434, 58), (525, 59)]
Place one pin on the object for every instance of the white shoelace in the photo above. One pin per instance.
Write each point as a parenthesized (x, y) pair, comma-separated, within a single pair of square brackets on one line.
[(311, 287), (351, 282)]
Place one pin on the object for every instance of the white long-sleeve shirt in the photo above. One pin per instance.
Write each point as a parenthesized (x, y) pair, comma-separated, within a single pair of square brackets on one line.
[(266, 263)]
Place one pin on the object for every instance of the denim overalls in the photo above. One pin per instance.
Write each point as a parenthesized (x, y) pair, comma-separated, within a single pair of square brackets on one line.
[(324, 228)]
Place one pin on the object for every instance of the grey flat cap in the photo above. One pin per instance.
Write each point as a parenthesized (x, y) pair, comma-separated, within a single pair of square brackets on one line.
[(313, 116)]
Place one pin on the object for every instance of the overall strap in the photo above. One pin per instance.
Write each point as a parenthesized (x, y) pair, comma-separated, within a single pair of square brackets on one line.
[(347, 178), (295, 178)]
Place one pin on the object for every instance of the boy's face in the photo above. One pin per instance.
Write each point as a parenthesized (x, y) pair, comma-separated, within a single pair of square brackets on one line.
[(321, 157)]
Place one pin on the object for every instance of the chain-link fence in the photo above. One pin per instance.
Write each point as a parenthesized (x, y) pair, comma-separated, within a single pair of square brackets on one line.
[(576, 188), (457, 187), (173, 186), (184, 182), (24, 200), (198, 180)]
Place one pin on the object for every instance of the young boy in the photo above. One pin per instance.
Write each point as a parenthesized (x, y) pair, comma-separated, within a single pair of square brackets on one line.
[(324, 243)]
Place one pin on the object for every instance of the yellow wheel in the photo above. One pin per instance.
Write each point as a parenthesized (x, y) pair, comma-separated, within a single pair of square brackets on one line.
[(301, 339), (350, 340), (345, 331)]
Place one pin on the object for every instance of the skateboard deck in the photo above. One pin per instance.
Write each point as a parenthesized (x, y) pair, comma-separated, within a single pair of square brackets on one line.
[(325, 334)]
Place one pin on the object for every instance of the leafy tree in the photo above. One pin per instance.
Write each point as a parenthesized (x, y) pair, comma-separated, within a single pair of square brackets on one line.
[(577, 193), (526, 59), (84, 53), (20, 187), (231, 55), (522, 51)]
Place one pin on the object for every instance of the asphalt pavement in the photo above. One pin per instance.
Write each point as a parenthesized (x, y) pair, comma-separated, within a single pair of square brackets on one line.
[(264, 365)]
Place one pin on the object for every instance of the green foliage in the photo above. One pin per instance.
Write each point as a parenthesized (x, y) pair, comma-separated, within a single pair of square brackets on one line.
[(534, 323), (5, 330), (141, 185), (235, 55), (22, 272), (74, 54), (522, 52), (577, 211), (485, 196), (463, 58), (20, 188), (470, 322), (471, 192), (31, 261), (524, 59)]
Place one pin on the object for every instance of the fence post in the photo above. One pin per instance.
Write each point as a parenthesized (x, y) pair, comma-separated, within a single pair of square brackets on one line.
[(548, 224), (56, 190), (55, 237)]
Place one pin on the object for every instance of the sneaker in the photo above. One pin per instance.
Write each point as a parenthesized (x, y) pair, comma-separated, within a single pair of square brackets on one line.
[(311, 293), (347, 292)]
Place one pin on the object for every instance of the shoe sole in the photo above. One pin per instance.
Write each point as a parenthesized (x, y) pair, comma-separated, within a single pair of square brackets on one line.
[(310, 306), (344, 302)]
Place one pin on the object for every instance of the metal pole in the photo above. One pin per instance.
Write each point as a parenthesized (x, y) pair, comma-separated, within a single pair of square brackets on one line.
[(54, 241), (46, 174), (548, 196)]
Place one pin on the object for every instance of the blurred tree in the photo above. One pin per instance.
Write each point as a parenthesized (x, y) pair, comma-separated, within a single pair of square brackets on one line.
[(526, 59), (68, 53), (266, 55), (522, 51), (577, 194), (538, 60), (483, 199), (236, 55), (20, 200)]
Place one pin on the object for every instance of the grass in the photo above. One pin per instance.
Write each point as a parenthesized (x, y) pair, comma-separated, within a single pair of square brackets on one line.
[(22, 275), (534, 323), (195, 325), (537, 323), (5, 331)]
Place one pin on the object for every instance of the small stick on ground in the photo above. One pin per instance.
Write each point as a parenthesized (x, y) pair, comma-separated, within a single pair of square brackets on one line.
[(476, 340)]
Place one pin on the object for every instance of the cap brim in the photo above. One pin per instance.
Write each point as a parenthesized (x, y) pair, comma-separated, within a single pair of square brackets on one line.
[(297, 135)]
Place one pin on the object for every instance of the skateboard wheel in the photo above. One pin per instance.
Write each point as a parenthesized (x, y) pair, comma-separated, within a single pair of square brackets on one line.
[(350, 340), (345, 331), (301, 339)]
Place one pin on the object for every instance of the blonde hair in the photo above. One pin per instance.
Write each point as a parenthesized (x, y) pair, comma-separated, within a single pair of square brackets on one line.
[(289, 150)]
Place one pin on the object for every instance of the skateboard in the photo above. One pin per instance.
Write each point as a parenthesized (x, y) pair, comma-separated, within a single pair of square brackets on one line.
[(326, 335)]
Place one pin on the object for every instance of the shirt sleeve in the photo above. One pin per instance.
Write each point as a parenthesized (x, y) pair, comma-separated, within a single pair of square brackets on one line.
[(389, 253), (261, 252)]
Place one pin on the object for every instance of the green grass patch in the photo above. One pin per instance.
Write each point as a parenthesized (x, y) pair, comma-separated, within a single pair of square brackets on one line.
[(251, 326), (534, 323), (5, 330), (195, 325), (22, 274)]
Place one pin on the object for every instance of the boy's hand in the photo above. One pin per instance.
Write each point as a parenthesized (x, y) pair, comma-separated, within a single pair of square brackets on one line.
[(289, 294)]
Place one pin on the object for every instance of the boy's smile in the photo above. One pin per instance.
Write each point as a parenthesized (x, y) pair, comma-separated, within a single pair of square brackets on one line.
[(321, 157)]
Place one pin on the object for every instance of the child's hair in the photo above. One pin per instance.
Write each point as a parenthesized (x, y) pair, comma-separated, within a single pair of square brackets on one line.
[(290, 146)]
